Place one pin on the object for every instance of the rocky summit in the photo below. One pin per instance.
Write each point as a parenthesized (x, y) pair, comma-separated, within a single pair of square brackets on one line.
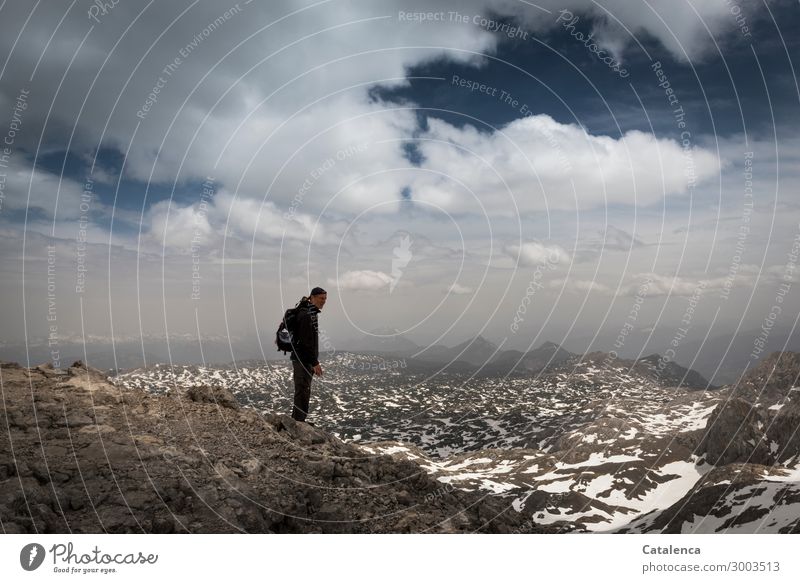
[(81, 455)]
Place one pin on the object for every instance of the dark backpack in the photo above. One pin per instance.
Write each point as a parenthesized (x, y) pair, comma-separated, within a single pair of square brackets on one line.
[(285, 331)]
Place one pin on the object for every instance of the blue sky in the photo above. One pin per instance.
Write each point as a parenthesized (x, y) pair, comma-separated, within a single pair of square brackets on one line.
[(334, 131)]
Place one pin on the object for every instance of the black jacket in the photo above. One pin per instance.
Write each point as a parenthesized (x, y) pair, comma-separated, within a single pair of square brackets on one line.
[(305, 337)]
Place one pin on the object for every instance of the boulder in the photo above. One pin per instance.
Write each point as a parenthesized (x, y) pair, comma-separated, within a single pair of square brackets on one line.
[(217, 395)]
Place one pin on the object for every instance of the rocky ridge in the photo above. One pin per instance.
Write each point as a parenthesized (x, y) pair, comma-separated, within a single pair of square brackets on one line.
[(615, 446), (81, 455)]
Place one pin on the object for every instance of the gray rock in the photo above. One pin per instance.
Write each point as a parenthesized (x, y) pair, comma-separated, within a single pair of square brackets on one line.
[(784, 432), (216, 395), (252, 467), (141, 464), (734, 434), (13, 528), (322, 468)]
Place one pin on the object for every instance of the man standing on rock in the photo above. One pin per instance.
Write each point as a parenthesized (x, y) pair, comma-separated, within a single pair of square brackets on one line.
[(305, 350)]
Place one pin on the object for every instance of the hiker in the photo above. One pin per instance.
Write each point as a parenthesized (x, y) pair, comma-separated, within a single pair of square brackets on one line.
[(305, 350)]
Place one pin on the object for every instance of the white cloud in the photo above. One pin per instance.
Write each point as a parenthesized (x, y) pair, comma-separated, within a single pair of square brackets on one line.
[(459, 289), (681, 28), (237, 112), (582, 285), (241, 222), (174, 227), (363, 280), (278, 78), (521, 168), (247, 217), (533, 253), (56, 198), (662, 285)]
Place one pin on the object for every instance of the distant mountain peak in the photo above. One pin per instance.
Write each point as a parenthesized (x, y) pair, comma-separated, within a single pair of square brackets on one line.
[(386, 331), (547, 345), (477, 343)]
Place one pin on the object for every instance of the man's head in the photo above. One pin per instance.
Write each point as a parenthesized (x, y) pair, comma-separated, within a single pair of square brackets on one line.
[(318, 297)]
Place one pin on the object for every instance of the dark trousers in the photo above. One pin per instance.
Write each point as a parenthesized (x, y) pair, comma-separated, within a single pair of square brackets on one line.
[(302, 390)]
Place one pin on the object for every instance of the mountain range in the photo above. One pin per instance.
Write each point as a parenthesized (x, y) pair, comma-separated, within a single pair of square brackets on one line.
[(591, 443), (720, 358)]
